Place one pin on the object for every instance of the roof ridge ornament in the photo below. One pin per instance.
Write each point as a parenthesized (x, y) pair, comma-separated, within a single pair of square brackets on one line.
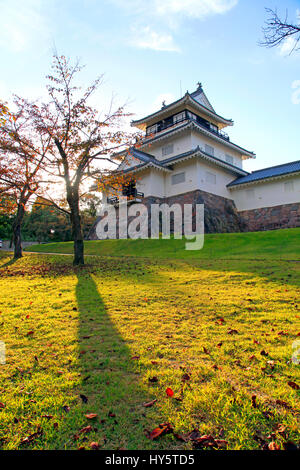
[(199, 86)]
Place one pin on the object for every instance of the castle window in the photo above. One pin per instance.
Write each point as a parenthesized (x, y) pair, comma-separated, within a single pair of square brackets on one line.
[(213, 127), (250, 194), (152, 129), (288, 186), (210, 178), (179, 117), (209, 149), (229, 159), (178, 178), (167, 149)]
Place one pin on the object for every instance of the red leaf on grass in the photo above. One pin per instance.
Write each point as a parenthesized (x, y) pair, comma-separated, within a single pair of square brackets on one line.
[(91, 415), (231, 331), (2, 405), (84, 430), (150, 403), (273, 446), (153, 379), (161, 429), (169, 392), (264, 353), (294, 385), (94, 445), (253, 399), (30, 333), (185, 377), (135, 358)]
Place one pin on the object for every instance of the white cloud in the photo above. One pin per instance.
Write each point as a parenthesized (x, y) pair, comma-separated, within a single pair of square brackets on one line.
[(146, 38), (22, 24), (287, 46), (194, 8), (190, 8), (168, 14)]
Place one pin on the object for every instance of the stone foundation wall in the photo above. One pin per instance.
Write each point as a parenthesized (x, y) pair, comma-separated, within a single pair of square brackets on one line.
[(220, 214), (271, 218)]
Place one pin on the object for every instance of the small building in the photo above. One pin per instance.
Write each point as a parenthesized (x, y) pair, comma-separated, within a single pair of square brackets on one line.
[(186, 157)]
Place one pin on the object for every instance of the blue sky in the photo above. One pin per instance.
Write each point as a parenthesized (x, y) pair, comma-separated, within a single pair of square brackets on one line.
[(150, 50)]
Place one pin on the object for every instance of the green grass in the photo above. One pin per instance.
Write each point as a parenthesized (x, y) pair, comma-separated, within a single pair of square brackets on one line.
[(276, 244), (103, 330)]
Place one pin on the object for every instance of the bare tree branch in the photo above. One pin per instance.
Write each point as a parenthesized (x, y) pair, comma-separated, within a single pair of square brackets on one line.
[(276, 31)]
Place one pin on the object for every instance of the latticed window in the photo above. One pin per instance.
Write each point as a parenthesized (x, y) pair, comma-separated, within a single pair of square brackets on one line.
[(210, 177), (167, 150), (209, 149), (178, 178)]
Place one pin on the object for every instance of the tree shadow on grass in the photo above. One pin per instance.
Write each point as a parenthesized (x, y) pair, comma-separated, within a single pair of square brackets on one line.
[(9, 263), (110, 377)]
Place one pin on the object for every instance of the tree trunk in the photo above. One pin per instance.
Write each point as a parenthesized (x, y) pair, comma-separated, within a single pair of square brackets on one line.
[(76, 228), (17, 231)]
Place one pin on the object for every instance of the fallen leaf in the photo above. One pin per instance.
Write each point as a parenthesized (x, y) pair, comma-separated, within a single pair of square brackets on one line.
[(149, 404), (153, 379), (94, 445), (294, 385), (161, 429), (264, 353), (84, 430), (91, 415), (185, 377), (231, 331), (273, 446), (169, 392)]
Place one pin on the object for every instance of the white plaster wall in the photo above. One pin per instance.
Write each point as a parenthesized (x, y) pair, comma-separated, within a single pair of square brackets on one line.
[(151, 183), (195, 178), (266, 194), (181, 144), (189, 141), (220, 149)]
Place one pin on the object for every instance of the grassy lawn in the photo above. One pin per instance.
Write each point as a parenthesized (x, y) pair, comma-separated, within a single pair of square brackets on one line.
[(115, 334), (280, 244)]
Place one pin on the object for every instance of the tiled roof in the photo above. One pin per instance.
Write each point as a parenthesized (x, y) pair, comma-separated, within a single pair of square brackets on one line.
[(202, 153), (149, 160), (191, 96), (143, 156), (271, 172)]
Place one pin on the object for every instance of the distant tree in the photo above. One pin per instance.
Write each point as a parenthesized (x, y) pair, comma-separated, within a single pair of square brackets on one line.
[(44, 223), (22, 158), (6, 226), (81, 141), (279, 29)]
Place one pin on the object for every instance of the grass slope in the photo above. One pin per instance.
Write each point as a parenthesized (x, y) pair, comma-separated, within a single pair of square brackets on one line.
[(279, 244), (114, 334)]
